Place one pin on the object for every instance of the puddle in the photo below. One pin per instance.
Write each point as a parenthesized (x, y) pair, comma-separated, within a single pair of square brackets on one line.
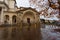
[(24, 32)]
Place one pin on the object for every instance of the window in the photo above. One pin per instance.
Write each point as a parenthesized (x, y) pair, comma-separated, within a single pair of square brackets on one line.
[(28, 20), (14, 19), (0, 10), (6, 19)]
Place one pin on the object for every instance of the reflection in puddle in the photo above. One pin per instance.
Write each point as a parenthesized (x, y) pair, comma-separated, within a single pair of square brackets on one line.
[(23, 32), (50, 32)]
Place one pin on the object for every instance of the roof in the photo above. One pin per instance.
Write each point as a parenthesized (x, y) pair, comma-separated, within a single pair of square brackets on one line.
[(24, 9)]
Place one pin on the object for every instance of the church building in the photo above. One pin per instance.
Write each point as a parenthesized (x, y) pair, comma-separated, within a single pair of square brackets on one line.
[(10, 14)]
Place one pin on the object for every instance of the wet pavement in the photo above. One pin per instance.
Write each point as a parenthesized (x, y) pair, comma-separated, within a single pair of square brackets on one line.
[(15, 33), (48, 32), (20, 33)]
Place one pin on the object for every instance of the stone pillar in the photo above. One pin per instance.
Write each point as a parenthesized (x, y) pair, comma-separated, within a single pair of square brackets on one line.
[(10, 20), (2, 18)]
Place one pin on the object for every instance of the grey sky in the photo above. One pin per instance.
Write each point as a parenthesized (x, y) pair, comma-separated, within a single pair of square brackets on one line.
[(22, 3)]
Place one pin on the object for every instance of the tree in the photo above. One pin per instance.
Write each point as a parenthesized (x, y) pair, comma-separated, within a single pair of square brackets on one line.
[(39, 4)]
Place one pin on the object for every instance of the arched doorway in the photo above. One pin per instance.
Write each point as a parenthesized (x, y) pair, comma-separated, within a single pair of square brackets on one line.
[(6, 21), (14, 19), (0, 10), (28, 17), (28, 20)]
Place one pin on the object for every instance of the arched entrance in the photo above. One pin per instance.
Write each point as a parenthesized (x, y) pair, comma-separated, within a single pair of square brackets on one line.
[(13, 19), (28, 17), (0, 10), (28, 20), (6, 17)]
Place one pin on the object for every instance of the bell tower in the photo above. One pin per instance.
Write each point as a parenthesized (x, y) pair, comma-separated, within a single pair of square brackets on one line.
[(11, 4)]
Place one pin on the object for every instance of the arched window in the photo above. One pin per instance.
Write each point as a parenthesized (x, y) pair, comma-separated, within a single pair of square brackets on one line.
[(0, 10), (14, 19), (6, 18)]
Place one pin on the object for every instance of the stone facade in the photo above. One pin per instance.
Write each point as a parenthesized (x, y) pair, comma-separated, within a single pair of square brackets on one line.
[(10, 14)]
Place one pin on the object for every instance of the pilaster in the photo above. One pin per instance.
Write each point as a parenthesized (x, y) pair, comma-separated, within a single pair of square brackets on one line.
[(10, 20), (2, 18)]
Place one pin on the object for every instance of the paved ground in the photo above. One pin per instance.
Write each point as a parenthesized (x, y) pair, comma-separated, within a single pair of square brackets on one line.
[(15, 33), (49, 34)]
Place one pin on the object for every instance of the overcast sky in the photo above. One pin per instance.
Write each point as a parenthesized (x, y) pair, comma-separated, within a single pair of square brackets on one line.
[(22, 3)]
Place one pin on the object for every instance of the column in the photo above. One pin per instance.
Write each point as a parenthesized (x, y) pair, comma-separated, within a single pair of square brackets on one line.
[(10, 20), (2, 19)]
